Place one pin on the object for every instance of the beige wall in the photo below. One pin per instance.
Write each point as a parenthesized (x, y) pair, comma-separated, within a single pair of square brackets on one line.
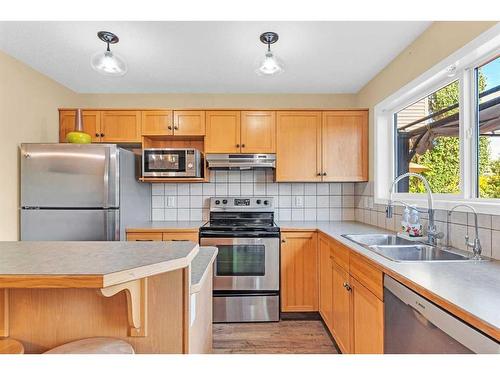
[(28, 113), (220, 100), (440, 40)]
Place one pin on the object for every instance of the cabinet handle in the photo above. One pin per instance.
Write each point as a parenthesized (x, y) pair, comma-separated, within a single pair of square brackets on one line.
[(243, 145), (283, 240), (169, 127), (102, 134), (324, 174), (347, 286), (97, 135), (319, 174), (176, 127), (237, 145)]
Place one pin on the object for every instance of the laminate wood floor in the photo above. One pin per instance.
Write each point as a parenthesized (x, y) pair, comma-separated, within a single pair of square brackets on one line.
[(284, 337)]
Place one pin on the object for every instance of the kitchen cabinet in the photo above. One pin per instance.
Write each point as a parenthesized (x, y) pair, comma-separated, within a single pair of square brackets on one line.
[(91, 123), (189, 123), (298, 151), (341, 312), (367, 320), (344, 137), (174, 235), (258, 132), (223, 132), (120, 126), (299, 272), (157, 123), (325, 280)]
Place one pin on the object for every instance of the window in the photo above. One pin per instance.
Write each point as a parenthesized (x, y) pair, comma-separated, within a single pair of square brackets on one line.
[(445, 125), (487, 81), (427, 142)]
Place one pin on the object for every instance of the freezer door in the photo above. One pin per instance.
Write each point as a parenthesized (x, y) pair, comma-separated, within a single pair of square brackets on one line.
[(70, 225), (69, 175)]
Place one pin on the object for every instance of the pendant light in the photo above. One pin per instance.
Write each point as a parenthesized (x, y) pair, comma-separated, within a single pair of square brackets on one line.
[(108, 63), (270, 64)]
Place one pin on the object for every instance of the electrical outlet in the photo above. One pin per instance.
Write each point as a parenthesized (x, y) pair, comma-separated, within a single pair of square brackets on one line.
[(170, 201), (299, 201)]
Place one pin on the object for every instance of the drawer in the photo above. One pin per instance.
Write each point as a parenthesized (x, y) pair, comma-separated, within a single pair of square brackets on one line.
[(144, 236), (367, 274), (180, 236), (341, 255)]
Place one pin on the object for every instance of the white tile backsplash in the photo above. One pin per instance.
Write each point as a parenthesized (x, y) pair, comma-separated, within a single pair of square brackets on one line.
[(293, 201)]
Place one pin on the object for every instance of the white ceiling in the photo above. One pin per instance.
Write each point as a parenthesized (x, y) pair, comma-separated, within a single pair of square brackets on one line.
[(211, 57)]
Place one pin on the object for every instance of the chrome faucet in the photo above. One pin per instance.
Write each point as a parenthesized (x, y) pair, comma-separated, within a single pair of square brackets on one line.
[(432, 234), (476, 244)]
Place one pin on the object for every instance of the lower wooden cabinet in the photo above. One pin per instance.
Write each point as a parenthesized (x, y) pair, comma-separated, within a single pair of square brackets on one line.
[(184, 235), (341, 313), (299, 272), (367, 320), (325, 280)]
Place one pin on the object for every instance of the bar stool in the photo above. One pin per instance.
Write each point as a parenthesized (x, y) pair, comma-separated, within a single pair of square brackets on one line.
[(94, 345), (11, 346)]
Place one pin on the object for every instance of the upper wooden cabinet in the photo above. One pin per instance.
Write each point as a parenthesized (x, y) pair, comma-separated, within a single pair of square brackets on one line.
[(345, 146), (189, 123), (157, 123), (298, 151), (120, 126), (299, 272), (91, 124), (258, 132), (223, 132), (246, 132)]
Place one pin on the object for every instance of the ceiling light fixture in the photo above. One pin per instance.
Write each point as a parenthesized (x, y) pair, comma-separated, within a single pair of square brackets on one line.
[(107, 62), (271, 64)]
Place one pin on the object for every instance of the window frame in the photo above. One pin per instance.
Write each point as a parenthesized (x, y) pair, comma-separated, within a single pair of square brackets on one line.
[(465, 60)]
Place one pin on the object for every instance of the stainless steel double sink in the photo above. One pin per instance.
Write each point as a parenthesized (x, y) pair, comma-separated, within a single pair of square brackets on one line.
[(399, 249)]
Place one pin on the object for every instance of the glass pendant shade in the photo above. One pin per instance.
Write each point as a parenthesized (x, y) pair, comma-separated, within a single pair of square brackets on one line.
[(108, 64), (270, 65)]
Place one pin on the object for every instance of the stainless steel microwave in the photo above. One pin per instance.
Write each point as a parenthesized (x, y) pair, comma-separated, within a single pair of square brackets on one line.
[(171, 162)]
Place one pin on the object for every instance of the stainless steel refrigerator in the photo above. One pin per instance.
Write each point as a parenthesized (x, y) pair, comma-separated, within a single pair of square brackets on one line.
[(75, 192)]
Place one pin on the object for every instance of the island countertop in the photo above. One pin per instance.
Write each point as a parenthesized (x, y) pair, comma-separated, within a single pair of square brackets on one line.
[(74, 264)]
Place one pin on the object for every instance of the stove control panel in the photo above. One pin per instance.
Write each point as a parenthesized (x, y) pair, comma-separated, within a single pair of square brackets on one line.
[(241, 203)]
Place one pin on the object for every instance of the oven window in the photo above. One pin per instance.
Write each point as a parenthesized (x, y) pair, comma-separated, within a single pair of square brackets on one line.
[(241, 260)]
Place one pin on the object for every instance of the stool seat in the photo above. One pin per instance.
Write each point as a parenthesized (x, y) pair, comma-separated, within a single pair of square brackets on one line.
[(94, 345), (11, 346)]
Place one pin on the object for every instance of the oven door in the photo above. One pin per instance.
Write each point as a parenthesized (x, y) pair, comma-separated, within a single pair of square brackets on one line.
[(164, 163), (245, 264)]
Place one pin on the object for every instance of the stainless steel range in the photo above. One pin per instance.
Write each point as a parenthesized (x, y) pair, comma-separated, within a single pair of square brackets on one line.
[(246, 271)]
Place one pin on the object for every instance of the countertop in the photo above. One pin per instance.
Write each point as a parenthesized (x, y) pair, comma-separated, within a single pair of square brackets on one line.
[(472, 287), (164, 226), (38, 264), (200, 266)]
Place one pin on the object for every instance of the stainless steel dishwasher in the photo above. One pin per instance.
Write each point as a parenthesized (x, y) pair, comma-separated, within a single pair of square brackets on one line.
[(415, 325)]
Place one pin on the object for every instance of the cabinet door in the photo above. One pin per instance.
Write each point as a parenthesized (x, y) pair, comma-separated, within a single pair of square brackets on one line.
[(223, 132), (121, 126), (189, 123), (144, 236), (298, 146), (341, 313), (258, 132), (299, 272), (325, 280), (157, 123), (345, 145), (180, 236), (367, 320), (91, 124)]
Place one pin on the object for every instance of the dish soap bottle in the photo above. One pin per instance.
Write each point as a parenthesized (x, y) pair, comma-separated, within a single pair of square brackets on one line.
[(405, 221), (415, 227)]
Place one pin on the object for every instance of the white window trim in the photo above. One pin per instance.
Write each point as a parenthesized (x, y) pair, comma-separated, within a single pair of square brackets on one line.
[(465, 59)]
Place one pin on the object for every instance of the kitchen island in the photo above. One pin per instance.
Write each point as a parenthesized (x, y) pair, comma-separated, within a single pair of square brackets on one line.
[(52, 293)]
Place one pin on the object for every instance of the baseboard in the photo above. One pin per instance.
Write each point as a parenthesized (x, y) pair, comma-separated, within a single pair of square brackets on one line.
[(300, 316)]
